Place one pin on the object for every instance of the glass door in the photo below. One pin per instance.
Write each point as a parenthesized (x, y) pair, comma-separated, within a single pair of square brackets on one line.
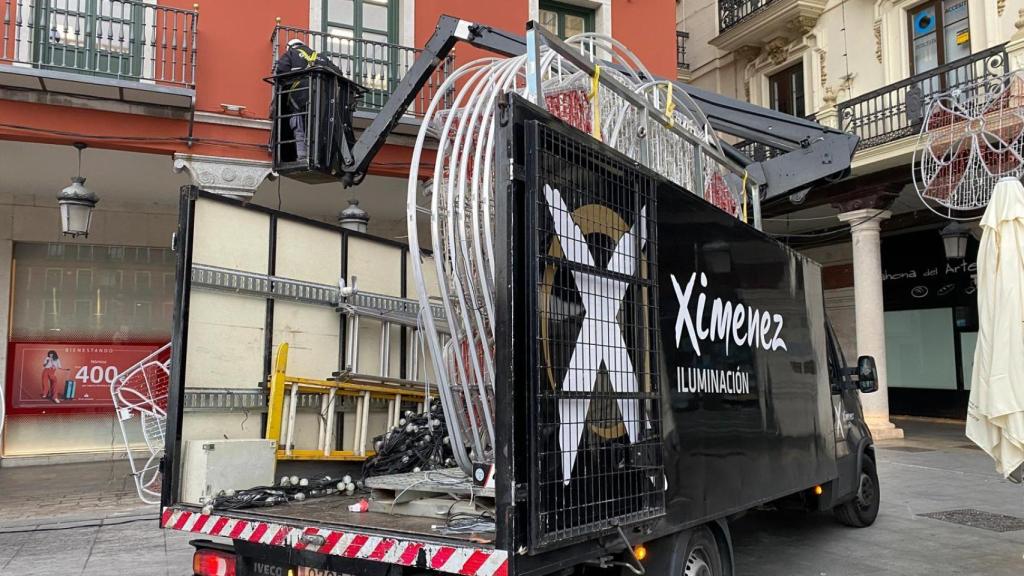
[(102, 37), (361, 40)]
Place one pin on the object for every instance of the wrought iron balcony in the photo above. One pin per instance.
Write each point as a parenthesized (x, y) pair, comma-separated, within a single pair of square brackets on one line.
[(377, 66), (732, 12), (754, 24), (897, 110), (681, 63), (106, 39)]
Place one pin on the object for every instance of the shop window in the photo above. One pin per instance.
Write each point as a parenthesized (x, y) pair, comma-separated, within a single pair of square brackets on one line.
[(919, 349), (83, 296), (940, 33), (786, 90), (565, 20), (80, 315)]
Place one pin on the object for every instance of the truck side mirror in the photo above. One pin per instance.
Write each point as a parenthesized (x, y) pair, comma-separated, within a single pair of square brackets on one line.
[(867, 375)]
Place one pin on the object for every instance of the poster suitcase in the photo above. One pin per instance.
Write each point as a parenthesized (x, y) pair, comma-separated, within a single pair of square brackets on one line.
[(69, 389)]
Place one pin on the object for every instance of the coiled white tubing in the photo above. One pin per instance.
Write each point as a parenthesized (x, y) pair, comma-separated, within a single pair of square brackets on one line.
[(462, 217)]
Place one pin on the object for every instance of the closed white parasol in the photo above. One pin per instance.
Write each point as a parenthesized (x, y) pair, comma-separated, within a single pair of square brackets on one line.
[(995, 414)]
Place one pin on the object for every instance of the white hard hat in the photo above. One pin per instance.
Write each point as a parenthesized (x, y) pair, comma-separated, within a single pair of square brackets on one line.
[(296, 42)]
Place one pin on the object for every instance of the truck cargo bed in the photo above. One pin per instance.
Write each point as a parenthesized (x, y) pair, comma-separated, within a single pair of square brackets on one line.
[(326, 526)]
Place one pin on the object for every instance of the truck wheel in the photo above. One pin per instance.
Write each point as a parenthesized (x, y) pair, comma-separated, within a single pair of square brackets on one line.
[(702, 555), (863, 509)]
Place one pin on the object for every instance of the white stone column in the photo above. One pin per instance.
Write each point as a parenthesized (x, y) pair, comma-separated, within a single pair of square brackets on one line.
[(232, 177), (870, 312)]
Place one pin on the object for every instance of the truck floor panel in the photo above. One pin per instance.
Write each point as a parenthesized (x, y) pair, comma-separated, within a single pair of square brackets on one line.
[(326, 526)]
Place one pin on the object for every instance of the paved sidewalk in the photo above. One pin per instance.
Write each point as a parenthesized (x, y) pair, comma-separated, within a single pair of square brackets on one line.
[(83, 519), (38, 495), (934, 469)]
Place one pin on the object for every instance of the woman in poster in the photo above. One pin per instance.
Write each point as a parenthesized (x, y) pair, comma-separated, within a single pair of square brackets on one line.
[(50, 366)]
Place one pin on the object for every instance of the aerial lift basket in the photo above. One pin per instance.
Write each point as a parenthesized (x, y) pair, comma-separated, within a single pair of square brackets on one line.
[(321, 100)]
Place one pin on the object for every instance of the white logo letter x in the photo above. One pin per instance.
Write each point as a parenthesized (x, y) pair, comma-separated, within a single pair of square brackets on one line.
[(600, 338)]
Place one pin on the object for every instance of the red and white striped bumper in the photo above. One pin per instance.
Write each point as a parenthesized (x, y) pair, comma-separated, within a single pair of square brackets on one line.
[(466, 561)]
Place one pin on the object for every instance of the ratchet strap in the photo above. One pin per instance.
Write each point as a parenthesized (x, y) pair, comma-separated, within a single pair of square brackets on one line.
[(745, 196), (595, 104), (670, 107)]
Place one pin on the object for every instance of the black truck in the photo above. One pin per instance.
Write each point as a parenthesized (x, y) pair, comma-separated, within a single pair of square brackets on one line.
[(653, 384)]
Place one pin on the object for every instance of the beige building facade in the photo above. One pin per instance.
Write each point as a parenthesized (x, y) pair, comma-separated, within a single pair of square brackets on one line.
[(870, 67)]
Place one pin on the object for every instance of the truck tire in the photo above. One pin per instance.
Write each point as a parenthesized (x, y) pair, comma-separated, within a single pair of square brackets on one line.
[(862, 510), (703, 557)]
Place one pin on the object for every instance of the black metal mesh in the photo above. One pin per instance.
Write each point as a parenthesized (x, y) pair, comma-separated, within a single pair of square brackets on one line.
[(597, 381), (312, 114)]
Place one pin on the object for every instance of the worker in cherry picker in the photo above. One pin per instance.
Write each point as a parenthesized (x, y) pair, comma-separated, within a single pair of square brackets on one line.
[(298, 56)]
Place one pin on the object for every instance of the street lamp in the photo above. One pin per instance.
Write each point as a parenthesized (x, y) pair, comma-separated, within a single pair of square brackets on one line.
[(76, 203), (354, 217), (954, 240)]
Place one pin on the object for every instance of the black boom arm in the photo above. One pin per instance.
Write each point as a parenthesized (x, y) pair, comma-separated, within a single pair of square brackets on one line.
[(811, 152)]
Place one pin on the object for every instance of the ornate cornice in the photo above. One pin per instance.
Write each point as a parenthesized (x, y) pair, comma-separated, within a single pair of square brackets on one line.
[(777, 51), (233, 177)]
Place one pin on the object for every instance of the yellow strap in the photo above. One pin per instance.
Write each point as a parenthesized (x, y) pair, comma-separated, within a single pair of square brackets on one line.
[(744, 196), (595, 104), (309, 58), (670, 107)]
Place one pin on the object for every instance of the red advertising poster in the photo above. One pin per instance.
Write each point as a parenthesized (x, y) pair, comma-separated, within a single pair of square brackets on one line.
[(46, 377)]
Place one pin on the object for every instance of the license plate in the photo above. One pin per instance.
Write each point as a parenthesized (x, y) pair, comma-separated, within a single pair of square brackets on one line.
[(303, 571)]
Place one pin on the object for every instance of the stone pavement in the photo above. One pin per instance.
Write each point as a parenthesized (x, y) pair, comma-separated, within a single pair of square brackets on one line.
[(83, 520), (934, 469), (86, 491)]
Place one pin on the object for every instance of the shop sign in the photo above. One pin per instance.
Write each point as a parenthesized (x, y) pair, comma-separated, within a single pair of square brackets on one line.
[(916, 273), (53, 377)]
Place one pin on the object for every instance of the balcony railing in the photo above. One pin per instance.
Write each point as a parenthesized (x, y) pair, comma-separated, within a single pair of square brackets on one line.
[(897, 110), (732, 12), (681, 63), (377, 66), (118, 39)]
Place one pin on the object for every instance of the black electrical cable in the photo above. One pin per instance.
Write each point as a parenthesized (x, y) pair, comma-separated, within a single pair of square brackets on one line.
[(419, 442), (150, 139), (831, 232), (262, 496)]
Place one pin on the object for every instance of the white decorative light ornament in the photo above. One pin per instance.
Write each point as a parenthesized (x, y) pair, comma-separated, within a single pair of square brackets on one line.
[(76, 203), (971, 137)]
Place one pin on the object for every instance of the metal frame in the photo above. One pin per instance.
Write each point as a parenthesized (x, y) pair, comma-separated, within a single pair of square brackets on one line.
[(137, 392), (602, 498), (182, 244), (395, 310), (886, 114), (282, 412)]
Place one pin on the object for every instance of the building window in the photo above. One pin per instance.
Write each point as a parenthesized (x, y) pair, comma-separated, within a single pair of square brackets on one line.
[(940, 33), (83, 295), (374, 20), (80, 315), (359, 39), (565, 20), (786, 89), (102, 37), (681, 63)]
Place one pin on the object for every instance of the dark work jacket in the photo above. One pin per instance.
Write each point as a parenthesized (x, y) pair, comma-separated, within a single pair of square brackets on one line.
[(292, 60)]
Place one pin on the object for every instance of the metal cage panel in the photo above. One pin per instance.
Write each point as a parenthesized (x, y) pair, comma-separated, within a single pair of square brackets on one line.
[(597, 453)]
